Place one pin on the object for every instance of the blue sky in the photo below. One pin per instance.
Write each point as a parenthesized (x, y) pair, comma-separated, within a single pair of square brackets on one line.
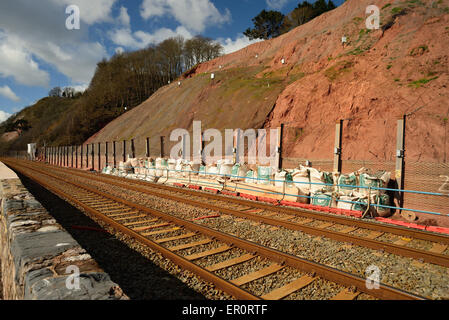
[(38, 52)]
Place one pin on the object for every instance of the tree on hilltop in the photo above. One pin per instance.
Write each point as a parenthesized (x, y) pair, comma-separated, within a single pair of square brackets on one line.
[(267, 25)]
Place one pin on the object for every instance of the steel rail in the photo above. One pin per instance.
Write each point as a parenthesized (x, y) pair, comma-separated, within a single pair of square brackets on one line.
[(220, 283), (343, 278), (427, 256)]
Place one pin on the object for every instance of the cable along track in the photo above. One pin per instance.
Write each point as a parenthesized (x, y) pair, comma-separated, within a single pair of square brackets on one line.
[(157, 230), (308, 223)]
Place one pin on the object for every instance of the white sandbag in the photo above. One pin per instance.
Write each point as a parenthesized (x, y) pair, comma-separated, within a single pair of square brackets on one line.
[(161, 167), (316, 179), (194, 167), (172, 164), (212, 172), (301, 179), (349, 180), (251, 177), (264, 175), (279, 178), (323, 199), (226, 169), (374, 181), (304, 197), (345, 202)]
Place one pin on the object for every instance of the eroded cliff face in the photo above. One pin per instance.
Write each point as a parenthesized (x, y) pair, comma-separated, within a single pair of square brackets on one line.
[(377, 77)]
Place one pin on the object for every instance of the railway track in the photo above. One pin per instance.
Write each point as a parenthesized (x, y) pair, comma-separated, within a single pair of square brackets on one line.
[(354, 231), (195, 247)]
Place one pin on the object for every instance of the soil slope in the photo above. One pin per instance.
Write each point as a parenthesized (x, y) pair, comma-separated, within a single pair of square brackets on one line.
[(377, 77)]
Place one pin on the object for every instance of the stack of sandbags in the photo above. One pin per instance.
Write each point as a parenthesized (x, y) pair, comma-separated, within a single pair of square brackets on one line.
[(171, 166), (202, 171), (346, 184), (251, 177), (161, 167), (356, 188), (107, 170), (320, 181), (150, 168), (324, 199), (177, 169), (301, 181), (226, 168), (194, 167), (239, 172), (212, 171), (379, 179), (279, 178), (124, 169), (141, 170), (264, 175)]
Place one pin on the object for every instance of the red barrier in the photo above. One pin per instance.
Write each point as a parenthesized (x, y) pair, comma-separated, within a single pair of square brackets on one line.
[(179, 185), (291, 204), (438, 229), (269, 200), (401, 223), (248, 196), (194, 187), (229, 193), (216, 191)]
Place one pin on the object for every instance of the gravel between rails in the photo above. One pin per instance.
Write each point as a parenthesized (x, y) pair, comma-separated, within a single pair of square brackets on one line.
[(423, 279), (142, 273), (274, 281)]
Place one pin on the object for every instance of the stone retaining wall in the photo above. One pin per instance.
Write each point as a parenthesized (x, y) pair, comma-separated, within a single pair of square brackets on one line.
[(38, 256)]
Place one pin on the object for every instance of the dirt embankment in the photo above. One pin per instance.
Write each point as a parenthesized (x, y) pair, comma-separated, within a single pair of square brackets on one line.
[(377, 77)]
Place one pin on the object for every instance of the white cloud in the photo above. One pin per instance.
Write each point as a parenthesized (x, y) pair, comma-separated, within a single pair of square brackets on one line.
[(195, 15), (276, 4), (240, 42), (140, 39), (8, 93), (124, 17), (91, 11), (80, 88), (4, 116), (35, 33), (119, 50), (17, 62)]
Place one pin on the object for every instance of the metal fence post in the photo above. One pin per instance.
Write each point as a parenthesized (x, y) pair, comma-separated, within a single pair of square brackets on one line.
[(114, 155), (124, 150), (133, 149), (87, 156), (280, 145), (93, 156), (162, 146), (106, 151), (338, 146), (400, 159), (147, 153), (99, 156)]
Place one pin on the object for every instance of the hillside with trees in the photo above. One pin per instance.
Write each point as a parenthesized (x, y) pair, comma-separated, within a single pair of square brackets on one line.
[(119, 84)]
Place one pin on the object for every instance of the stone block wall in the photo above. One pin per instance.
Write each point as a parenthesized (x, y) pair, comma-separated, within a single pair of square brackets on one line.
[(38, 256)]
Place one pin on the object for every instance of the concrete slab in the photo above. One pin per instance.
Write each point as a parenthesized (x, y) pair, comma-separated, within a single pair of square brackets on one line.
[(6, 173)]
